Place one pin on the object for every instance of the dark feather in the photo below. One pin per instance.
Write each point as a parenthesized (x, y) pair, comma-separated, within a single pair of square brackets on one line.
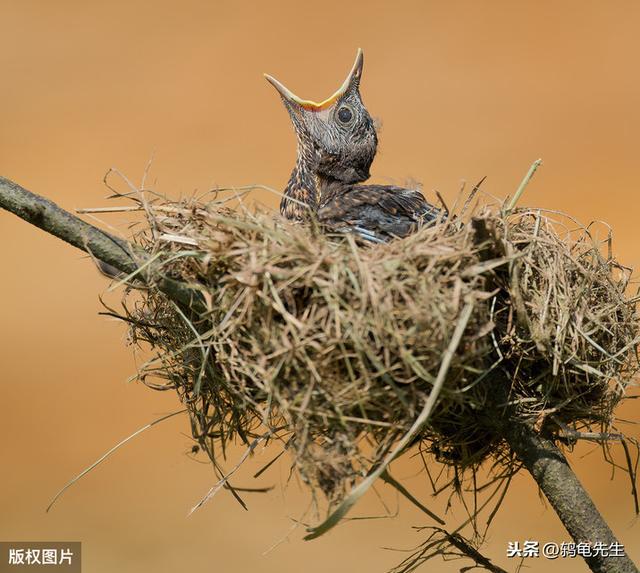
[(381, 211)]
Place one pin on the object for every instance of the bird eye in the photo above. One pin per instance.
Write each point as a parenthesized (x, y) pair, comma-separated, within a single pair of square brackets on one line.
[(345, 114)]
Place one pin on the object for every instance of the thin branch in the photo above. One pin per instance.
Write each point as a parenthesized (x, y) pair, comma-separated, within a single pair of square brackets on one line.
[(105, 247), (467, 549), (565, 493)]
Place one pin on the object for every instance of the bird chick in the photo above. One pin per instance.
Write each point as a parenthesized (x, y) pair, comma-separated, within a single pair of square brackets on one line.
[(337, 142)]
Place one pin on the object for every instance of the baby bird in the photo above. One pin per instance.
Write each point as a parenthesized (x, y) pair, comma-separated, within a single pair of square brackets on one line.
[(337, 143)]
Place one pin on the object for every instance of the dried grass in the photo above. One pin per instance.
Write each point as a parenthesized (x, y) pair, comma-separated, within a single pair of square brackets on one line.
[(334, 347)]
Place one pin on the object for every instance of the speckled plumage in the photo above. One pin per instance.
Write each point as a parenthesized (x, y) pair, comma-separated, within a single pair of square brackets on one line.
[(335, 155), (329, 149), (377, 213)]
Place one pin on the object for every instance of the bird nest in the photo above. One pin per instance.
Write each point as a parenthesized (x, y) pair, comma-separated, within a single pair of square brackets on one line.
[(336, 348)]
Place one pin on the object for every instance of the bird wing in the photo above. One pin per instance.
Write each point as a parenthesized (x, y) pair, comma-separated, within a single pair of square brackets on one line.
[(393, 200), (376, 212)]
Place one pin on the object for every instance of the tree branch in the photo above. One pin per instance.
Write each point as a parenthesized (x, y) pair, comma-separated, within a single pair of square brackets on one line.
[(549, 467), (116, 252)]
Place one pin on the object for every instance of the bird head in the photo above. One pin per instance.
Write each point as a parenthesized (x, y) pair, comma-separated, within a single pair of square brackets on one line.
[(337, 136)]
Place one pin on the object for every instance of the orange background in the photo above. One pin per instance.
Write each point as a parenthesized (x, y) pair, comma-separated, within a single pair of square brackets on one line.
[(464, 89)]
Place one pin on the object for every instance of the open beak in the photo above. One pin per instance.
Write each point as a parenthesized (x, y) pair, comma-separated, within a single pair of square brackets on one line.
[(353, 80)]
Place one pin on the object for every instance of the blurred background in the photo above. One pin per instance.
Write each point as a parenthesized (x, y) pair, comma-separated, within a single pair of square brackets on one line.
[(463, 90)]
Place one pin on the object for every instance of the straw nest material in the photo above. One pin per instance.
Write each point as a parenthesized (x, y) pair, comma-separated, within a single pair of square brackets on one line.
[(334, 347)]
